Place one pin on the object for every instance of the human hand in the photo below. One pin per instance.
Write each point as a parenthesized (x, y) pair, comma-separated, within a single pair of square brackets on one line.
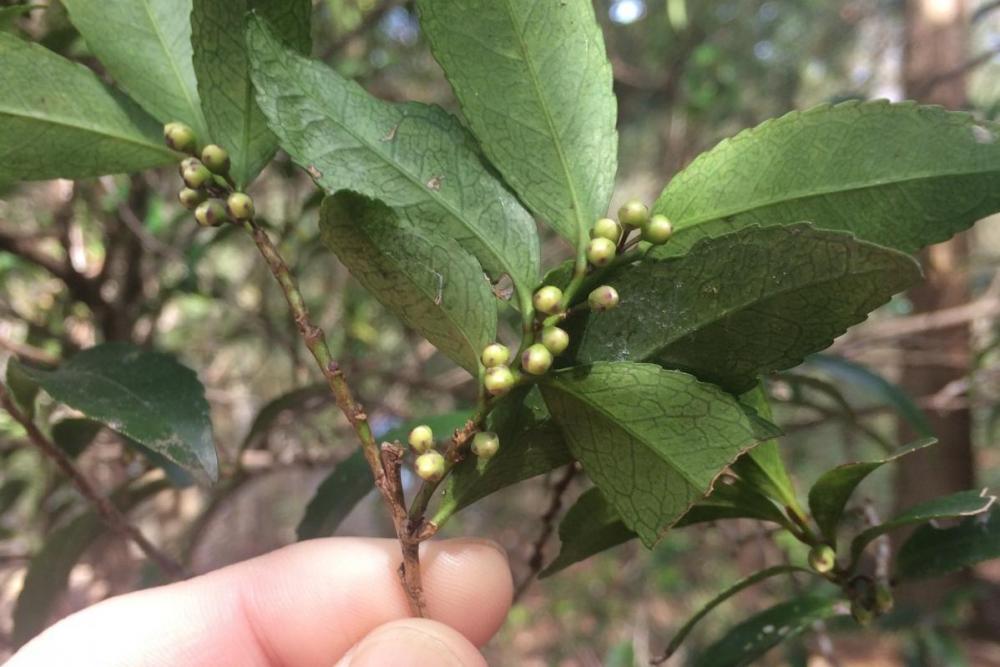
[(319, 603)]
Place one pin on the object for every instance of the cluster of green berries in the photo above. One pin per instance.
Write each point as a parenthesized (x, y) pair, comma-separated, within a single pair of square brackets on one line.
[(206, 180), (430, 464)]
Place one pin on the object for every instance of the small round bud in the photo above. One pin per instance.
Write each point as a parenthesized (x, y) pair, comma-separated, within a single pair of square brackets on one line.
[(216, 158), (180, 137), (604, 297), (555, 339), (861, 613), (536, 359), (210, 213), (633, 213), (822, 558), (495, 354), (498, 380), (547, 299), (485, 444), (190, 199), (240, 206), (883, 599), (196, 175), (658, 230), (600, 251), (422, 439), (606, 228), (430, 466)]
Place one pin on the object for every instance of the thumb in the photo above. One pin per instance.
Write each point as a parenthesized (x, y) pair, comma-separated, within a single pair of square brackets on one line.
[(413, 642)]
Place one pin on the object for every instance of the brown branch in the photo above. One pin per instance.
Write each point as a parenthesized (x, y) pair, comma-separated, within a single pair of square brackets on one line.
[(111, 515), (537, 558)]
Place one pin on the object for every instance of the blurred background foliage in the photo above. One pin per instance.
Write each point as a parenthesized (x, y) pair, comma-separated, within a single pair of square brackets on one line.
[(116, 258)]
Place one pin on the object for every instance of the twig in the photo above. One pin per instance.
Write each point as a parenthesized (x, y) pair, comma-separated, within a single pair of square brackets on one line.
[(537, 558), (111, 515)]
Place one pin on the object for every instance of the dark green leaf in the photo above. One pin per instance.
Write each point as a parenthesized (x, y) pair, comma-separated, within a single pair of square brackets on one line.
[(222, 64), (146, 396), (22, 388), (336, 496), (535, 86), (590, 526), (74, 434), (415, 158), (57, 120), (654, 441), (421, 275), (733, 499), (829, 495), (900, 175), (10, 492), (935, 552), (274, 409), (757, 300), (762, 467)]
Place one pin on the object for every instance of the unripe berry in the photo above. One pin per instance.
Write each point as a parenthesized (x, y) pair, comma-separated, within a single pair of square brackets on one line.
[(555, 339), (485, 444), (495, 354), (216, 158), (196, 175), (187, 163), (600, 251), (430, 466), (190, 199), (604, 297), (606, 228), (180, 137), (658, 230), (862, 614), (536, 359), (240, 206), (498, 380), (633, 213), (210, 213), (883, 599), (822, 558), (422, 439), (547, 299)]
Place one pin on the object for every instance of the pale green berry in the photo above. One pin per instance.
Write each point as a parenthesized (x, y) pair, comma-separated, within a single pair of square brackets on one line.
[(240, 206), (495, 354), (601, 251), (216, 158), (861, 613), (604, 297), (422, 439), (822, 558), (485, 444), (883, 599), (210, 213), (633, 213), (606, 228), (196, 175), (430, 466), (498, 380), (547, 300), (180, 137), (555, 339), (536, 359), (190, 199), (658, 230)]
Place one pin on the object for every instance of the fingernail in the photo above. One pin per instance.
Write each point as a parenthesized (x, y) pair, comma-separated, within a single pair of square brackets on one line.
[(402, 647)]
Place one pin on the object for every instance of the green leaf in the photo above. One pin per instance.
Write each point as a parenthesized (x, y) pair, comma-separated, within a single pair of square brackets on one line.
[(222, 64), (935, 552), (74, 434), (590, 526), (146, 396), (762, 467), (417, 159), (534, 84), (746, 303), (751, 639), (735, 499), (336, 496), (961, 504), (900, 175), (48, 572), (421, 275), (829, 495), (146, 47), (275, 408), (654, 441), (57, 120), (22, 388)]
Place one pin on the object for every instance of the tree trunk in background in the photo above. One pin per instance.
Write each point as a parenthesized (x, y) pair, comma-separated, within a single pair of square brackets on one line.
[(936, 41)]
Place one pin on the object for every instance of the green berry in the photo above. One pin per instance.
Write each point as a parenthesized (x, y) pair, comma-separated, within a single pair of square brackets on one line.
[(547, 300), (240, 206), (196, 175), (216, 158), (180, 137), (601, 251), (633, 213), (498, 380), (861, 613), (210, 213), (883, 599), (822, 558), (190, 199), (485, 444), (606, 228), (604, 297), (430, 466), (536, 359), (422, 439), (658, 230), (555, 339), (495, 354)]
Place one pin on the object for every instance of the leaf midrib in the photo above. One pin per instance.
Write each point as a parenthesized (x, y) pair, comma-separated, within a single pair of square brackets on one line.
[(51, 120), (195, 109)]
